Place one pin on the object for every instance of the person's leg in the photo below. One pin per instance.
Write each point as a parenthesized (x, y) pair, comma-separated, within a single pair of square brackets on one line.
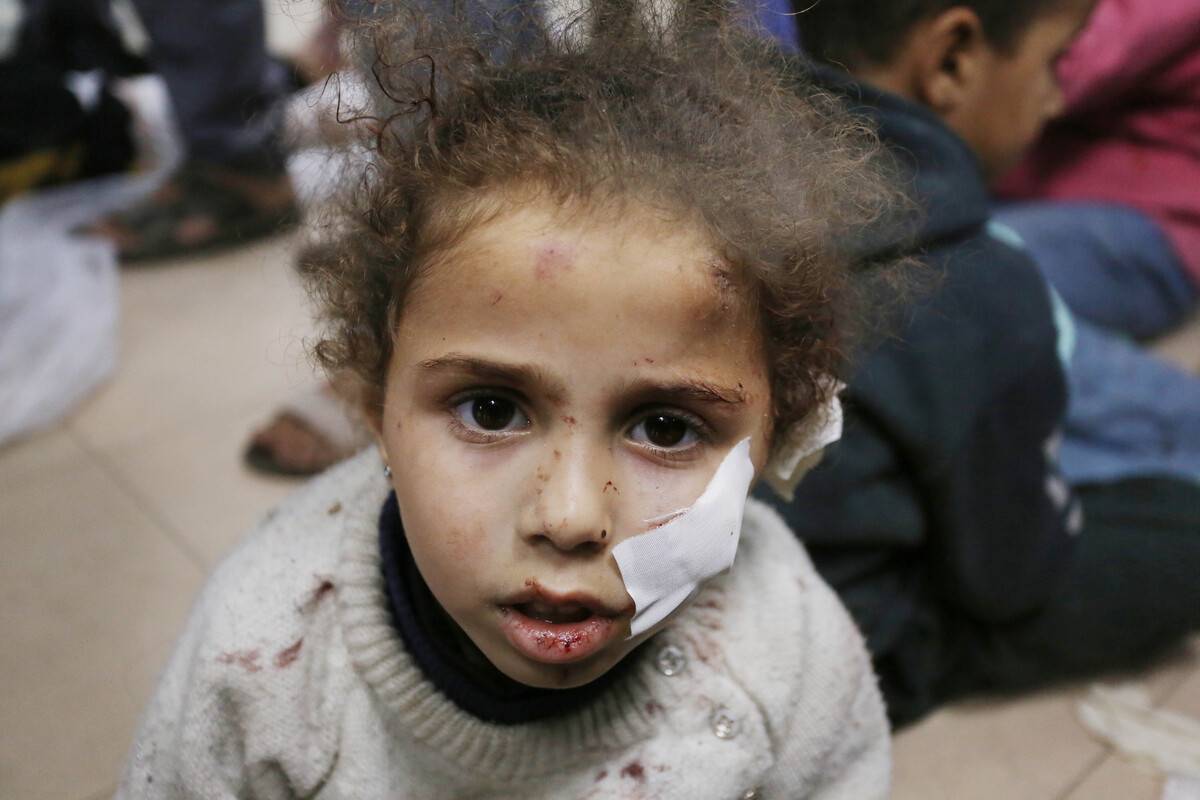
[(1111, 264), (1130, 594), (1130, 413), (233, 186), (223, 86)]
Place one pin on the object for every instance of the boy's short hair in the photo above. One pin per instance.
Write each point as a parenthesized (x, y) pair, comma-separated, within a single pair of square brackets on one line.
[(852, 33)]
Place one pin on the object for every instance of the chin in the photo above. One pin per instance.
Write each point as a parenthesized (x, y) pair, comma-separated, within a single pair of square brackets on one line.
[(556, 676)]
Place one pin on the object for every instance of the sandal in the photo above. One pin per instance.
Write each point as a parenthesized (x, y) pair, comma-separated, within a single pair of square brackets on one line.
[(310, 433), (201, 208)]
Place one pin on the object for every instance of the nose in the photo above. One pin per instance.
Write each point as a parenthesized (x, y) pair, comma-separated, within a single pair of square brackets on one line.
[(573, 499)]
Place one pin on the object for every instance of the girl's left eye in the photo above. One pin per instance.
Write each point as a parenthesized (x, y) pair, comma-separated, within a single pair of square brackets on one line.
[(490, 414), (665, 431)]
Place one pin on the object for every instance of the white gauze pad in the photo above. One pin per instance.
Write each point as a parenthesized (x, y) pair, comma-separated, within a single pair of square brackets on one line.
[(663, 567)]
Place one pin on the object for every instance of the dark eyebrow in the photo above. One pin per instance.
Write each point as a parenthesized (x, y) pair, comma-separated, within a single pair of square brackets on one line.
[(699, 391), (521, 374)]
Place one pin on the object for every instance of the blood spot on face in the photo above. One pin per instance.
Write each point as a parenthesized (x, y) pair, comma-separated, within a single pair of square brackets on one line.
[(552, 259), (497, 296), (569, 420), (563, 642)]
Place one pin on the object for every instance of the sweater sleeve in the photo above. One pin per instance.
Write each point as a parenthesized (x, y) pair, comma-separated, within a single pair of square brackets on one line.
[(835, 740), (802, 658), (189, 744), (248, 705)]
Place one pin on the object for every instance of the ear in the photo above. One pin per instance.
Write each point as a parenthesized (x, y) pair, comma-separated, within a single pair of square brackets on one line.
[(370, 406), (949, 56)]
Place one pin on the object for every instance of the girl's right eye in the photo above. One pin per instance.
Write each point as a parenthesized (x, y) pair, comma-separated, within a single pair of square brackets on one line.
[(490, 414)]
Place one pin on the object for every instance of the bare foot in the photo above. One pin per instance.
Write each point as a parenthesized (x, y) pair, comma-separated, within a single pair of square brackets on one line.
[(311, 432), (201, 207)]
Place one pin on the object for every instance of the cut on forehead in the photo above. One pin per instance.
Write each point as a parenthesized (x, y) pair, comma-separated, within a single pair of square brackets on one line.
[(449, 223)]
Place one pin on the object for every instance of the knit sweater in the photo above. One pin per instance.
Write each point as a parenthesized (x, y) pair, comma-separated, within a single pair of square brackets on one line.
[(291, 681)]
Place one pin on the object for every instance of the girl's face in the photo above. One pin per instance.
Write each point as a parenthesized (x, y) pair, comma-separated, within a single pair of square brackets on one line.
[(558, 380)]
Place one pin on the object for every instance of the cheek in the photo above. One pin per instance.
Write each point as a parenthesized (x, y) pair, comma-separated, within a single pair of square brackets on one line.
[(649, 491), (454, 514), (448, 550)]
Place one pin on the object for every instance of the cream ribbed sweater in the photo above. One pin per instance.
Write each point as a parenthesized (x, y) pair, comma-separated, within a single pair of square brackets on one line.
[(290, 681)]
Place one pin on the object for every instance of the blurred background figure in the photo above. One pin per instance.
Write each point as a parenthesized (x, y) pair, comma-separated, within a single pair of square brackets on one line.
[(58, 124), (213, 176), (1108, 201), (232, 185)]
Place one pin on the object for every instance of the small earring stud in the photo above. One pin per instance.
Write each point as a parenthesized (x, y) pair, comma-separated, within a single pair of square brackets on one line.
[(387, 471)]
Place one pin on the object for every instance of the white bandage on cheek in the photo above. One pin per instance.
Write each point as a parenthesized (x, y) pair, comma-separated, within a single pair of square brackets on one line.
[(663, 567)]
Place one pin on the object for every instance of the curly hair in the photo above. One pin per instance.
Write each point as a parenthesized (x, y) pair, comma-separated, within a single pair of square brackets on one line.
[(695, 114)]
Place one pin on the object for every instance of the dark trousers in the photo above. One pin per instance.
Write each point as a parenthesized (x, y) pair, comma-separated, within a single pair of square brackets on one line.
[(224, 88), (1130, 593)]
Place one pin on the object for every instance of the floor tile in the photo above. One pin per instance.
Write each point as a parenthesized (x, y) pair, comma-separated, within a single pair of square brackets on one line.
[(1030, 748), (1164, 678), (1186, 699), (200, 337), (195, 481), (1118, 779), (92, 595), (45, 451)]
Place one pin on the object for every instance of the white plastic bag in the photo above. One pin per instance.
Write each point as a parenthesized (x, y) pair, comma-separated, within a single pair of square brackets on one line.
[(58, 320), (58, 291)]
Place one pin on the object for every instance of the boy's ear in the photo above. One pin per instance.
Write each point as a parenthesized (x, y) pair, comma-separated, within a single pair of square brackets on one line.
[(948, 60)]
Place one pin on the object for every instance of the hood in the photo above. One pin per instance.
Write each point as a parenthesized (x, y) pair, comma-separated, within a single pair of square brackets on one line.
[(936, 167)]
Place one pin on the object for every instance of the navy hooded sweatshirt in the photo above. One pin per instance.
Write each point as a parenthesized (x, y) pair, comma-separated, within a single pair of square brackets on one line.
[(941, 507)]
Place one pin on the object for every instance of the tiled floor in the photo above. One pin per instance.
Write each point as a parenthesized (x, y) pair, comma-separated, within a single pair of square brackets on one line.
[(109, 523)]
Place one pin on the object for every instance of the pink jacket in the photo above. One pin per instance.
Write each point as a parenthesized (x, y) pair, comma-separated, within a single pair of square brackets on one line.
[(1131, 130)]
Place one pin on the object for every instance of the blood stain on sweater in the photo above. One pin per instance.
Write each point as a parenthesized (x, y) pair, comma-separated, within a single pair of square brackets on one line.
[(284, 658), (635, 770), (246, 659), (323, 589)]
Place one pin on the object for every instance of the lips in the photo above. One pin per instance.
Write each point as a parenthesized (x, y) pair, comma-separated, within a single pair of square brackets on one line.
[(554, 614), (554, 628)]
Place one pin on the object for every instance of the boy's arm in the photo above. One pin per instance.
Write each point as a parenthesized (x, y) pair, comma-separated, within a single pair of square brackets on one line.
[(1123, 44)]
